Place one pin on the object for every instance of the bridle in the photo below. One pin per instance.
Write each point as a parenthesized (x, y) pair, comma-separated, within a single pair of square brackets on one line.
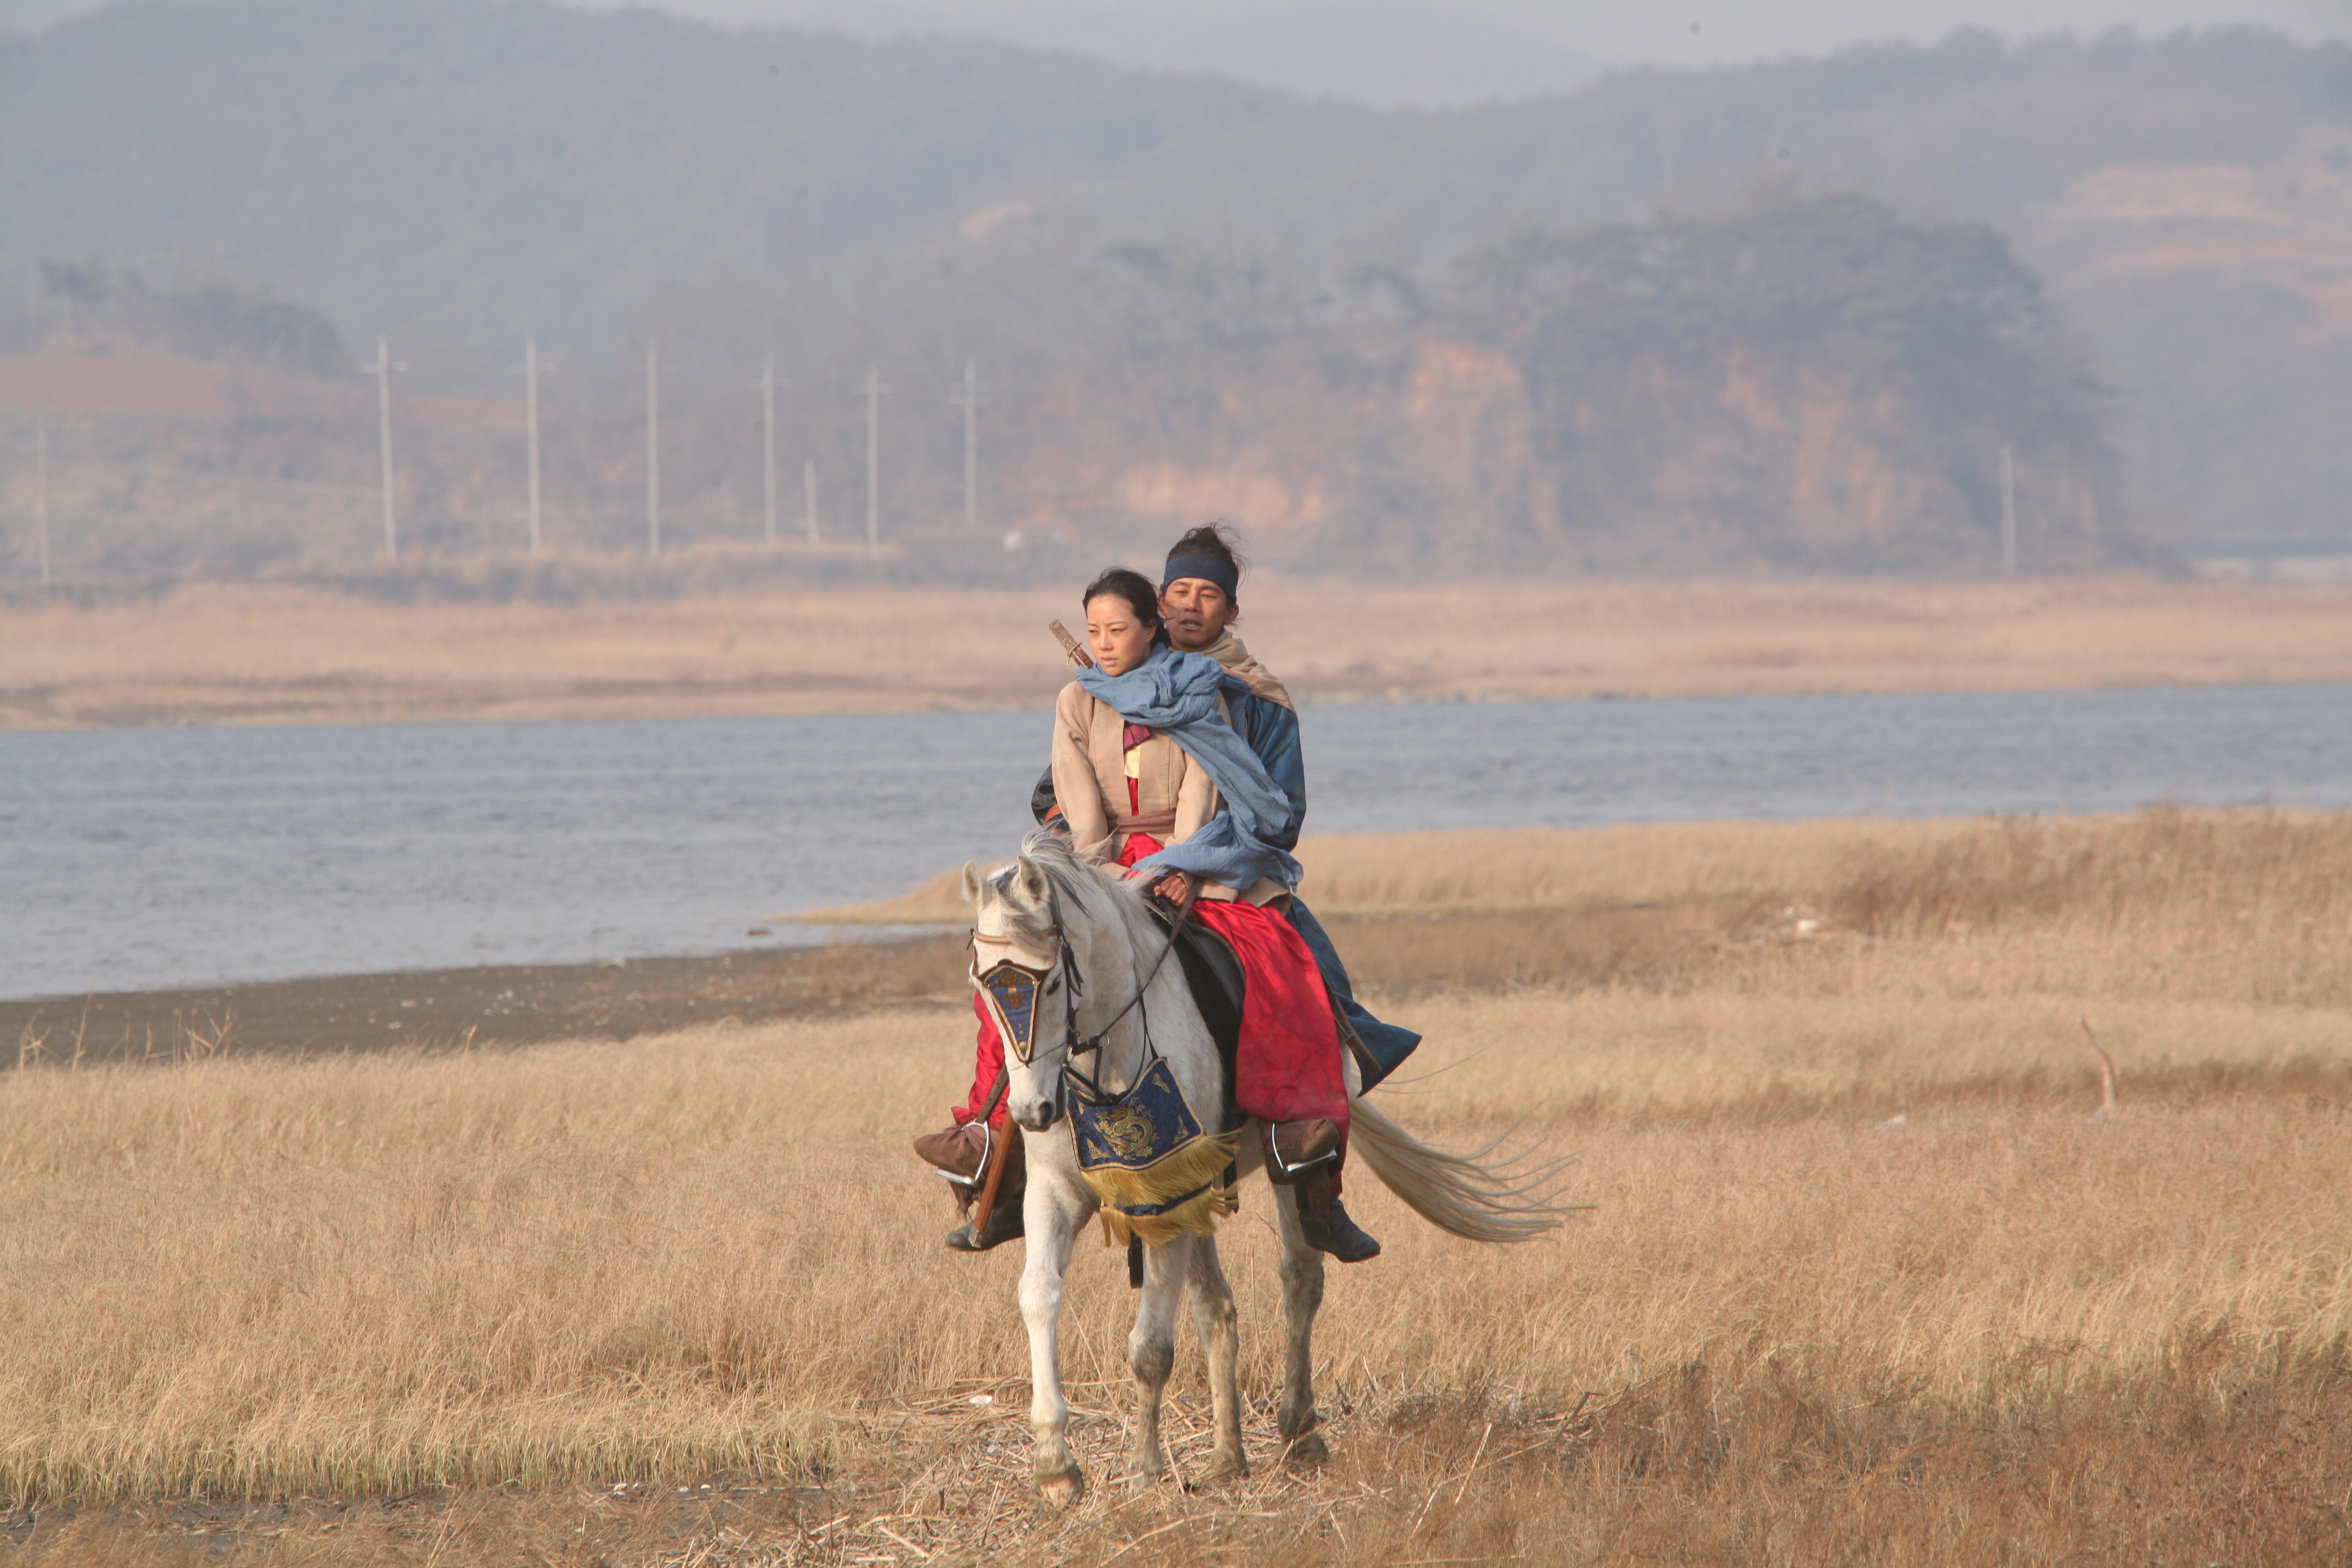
[(1014, 992)]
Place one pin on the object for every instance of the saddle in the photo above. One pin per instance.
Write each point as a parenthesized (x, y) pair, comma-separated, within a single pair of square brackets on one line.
[(1218, 984), (1300, 1156)]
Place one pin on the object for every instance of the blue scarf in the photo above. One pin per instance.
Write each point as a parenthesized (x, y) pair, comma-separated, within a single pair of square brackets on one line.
[(1176, 693)]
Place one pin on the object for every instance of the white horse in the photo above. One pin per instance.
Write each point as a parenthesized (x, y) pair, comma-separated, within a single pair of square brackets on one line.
[(1101, 955)]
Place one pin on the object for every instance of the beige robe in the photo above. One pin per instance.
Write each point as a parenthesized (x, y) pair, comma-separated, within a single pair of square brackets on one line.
[(1229, 651), (1174, 792)]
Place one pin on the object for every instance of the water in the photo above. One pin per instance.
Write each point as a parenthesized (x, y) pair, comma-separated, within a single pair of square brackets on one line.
[(143, 858)]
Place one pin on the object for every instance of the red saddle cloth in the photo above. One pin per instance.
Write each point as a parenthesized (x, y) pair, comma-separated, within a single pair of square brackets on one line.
[(1288, 1067)]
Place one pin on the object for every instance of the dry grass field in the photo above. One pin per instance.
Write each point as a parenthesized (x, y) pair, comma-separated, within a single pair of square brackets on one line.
[(1867, 1275), (219, 652)]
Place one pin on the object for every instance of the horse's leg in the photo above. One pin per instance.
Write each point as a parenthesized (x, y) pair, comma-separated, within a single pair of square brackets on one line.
[(1052, 1219), (1220, 1330), (1152, 1348), (1302, 1294)]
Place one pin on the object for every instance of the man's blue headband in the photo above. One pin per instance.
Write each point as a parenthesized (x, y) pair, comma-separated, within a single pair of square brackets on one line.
[(1208, 568)]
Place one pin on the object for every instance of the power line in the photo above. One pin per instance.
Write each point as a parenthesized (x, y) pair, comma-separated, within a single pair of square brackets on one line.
[(41, 489), (531, 372), (970, 400), (768, 436), (653, 448), (873, 389), (2008, 512), (381, 370)]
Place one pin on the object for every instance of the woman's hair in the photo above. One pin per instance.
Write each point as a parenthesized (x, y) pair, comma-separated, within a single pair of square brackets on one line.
[(1120, 583), (1219, 541)]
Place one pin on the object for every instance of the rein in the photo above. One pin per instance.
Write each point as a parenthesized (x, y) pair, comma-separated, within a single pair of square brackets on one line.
[(1075, 1081), (1089, 1087)]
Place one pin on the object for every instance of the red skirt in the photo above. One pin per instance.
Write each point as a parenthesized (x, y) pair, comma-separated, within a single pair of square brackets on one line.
[(988, 1062), (1288, 1067)]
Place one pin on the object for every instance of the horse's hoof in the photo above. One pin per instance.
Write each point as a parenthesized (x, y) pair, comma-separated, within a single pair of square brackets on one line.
[(1225, 1468), (1142, 1474), (1306, 1449), (1064, 1490)]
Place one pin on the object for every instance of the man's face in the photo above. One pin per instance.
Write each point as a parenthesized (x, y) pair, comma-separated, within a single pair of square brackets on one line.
[(1197, 613)]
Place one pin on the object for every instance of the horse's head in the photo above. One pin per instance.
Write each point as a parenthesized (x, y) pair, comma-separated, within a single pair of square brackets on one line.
[(1027, 977)]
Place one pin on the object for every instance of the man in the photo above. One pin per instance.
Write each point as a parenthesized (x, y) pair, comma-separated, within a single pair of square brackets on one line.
[(1199, 600)]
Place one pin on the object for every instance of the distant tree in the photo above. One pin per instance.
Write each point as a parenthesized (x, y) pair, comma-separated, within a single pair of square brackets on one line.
[(1170, 295), (1843, 277), (86, 281), (218, 322), (1925, 347)]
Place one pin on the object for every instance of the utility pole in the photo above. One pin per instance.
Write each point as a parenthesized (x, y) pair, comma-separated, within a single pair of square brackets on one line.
[(41, 489), (381, 370), (808, 496), (971, 401), (768, 434), (2008, 512), (530, 427), (653, 448), (873, 389)]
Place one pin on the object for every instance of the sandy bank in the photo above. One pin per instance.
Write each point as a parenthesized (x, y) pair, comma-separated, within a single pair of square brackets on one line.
[(226, 654)]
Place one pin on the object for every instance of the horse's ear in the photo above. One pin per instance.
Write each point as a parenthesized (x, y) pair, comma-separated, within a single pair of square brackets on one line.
[(1030, 881), (973, 885)]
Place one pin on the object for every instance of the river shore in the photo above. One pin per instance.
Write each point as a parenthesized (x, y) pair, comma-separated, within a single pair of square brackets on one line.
[(226, 653)]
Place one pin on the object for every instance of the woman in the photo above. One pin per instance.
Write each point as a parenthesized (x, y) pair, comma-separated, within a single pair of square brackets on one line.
[(1127, 792), (1141, 743)]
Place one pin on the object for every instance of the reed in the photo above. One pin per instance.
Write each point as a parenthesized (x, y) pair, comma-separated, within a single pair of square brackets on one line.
[(2170, 902), (706, 1252), (1864, 1279)]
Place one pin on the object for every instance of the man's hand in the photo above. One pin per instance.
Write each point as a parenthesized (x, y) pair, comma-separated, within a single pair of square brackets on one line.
[(1174, 887)]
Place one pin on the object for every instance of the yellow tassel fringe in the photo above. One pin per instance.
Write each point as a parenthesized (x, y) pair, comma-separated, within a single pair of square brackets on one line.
[(1202, 1161)]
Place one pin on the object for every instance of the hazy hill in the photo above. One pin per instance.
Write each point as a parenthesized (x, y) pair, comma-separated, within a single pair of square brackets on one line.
[(1175, 281), (464, 171), (470, 170), (1805, 387)]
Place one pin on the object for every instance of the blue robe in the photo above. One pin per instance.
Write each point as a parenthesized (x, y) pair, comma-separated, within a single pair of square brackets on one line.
[(1272, 731)]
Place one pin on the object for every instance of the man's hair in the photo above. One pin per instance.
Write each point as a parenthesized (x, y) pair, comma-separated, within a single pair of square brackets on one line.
[(1121, 582), (1217, 541)]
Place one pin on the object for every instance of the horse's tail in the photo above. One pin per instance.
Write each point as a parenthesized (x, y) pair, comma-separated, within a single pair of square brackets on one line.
[(1464, 1194)]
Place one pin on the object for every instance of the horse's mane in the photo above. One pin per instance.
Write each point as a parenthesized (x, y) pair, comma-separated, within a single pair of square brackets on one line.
[(1077, 882)]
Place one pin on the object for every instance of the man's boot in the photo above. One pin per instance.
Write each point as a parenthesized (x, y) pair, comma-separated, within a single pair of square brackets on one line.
[(1302, 1156), (1004, 1217), (957, 1155), (1326, 1224)]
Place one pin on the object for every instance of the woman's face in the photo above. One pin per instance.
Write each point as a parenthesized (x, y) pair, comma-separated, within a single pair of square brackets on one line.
[(1120, 639)]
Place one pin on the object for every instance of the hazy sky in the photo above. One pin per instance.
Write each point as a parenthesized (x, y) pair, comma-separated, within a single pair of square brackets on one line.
[(1453, 51), (1459, 50)]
